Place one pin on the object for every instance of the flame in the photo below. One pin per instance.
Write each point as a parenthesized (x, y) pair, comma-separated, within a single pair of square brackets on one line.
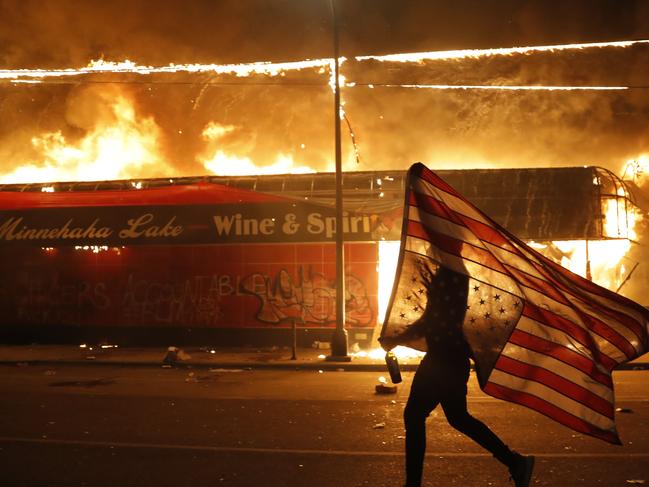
[(620, 217), (272, 69), (120, 145), (130, 67), (386, 268), (502, 87), (377, 353), (127, 144), (221, 163), (603, 261), (420, 57), (280, 69)]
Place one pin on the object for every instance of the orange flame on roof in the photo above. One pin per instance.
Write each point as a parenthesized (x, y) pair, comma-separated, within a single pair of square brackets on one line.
[(120, 145), (223, 164), (125, 145)]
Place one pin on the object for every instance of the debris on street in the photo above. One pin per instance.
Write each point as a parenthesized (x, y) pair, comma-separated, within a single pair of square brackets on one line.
[(384, 388), (173, 355)]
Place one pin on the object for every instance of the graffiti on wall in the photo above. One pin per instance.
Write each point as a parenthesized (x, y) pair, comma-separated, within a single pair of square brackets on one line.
[(193, 301), (41, 296), (312, 299), (46, 298)]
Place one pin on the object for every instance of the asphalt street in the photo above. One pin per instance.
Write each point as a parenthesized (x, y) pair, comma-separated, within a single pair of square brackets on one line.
[(147, 426)]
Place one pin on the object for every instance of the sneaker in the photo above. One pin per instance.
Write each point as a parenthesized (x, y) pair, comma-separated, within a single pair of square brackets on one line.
[(521, 471)]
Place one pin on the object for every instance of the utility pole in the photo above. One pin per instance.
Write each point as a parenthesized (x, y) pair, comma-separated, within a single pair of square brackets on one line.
[(339, 337)]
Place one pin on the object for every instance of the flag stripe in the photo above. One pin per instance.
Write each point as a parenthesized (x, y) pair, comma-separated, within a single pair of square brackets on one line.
[(625, 320), (453, 246), (539, 285), (436, 181), (607, 332), (593, 288), (434, 206), (540, 390), (439, 208), (569, 313), (560, 368), (556, 299), (515, 261), (556, 382), (552, 411), (443, 225), (546, 318), (561, 353), (455, 203), (627, 323), (608, 304)]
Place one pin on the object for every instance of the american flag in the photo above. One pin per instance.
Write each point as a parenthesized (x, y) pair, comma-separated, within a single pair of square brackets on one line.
[(540, 335)]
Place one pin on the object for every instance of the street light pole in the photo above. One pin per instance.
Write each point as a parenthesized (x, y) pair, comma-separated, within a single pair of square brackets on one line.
[(339, 337)]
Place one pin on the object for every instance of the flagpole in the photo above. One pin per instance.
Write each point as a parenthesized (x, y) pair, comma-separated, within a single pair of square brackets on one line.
[(339, 337)]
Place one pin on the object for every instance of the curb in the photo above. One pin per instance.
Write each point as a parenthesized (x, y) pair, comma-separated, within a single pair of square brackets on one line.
[(317, 366), (324, 366)]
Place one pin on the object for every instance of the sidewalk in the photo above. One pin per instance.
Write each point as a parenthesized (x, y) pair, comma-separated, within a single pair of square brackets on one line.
[(214, 358)]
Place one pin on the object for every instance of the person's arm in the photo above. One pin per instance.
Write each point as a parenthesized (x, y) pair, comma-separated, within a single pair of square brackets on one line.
[(410, 334)]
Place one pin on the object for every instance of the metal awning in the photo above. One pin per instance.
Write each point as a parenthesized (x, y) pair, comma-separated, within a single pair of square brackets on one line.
[(560, 203)]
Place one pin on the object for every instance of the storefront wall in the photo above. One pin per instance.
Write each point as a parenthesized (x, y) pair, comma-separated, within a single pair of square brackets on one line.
[(225, 288)]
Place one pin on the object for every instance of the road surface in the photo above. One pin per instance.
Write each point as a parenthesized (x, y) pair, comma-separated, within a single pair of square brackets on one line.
[(146, 426)]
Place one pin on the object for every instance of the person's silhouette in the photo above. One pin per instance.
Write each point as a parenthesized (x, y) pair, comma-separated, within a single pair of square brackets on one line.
[(442, 377)]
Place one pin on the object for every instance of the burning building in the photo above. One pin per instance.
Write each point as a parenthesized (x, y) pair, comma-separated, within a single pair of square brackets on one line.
[(245, 259), (242, 258)]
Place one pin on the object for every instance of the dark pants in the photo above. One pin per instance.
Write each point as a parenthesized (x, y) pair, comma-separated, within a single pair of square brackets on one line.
[(445, 384)]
